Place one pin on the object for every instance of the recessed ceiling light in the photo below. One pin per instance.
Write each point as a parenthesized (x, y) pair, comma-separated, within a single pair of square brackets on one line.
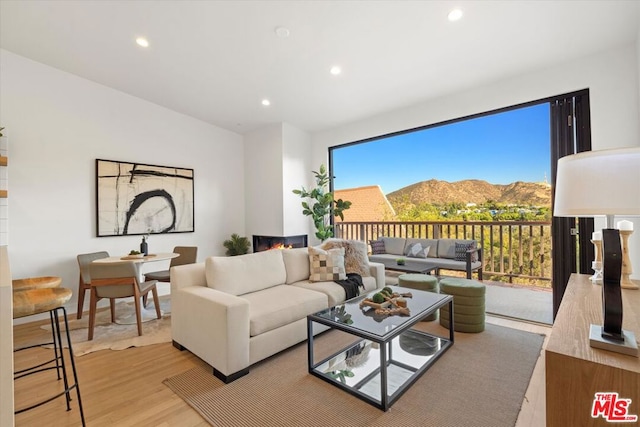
[(266, 102), (455, 15), (282, 32), (142, 42), (335, 70)]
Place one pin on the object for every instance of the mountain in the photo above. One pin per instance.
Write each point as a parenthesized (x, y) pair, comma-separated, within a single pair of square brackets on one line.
[(473, 191)]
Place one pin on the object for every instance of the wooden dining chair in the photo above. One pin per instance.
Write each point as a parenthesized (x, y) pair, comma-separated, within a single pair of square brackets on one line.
[(84, 283), (119, 280), (188, 255)]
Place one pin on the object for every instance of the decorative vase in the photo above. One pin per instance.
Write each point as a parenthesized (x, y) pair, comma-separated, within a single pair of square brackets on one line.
[(144, 248)]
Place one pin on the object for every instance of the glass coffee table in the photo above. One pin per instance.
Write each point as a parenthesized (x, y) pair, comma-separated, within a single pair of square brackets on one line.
[(389, 355)]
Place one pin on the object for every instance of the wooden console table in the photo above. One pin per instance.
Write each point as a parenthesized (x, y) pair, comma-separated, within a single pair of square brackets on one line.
[(574, 370)]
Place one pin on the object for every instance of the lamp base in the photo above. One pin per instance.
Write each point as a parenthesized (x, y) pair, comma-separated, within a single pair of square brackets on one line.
[(629, 346)]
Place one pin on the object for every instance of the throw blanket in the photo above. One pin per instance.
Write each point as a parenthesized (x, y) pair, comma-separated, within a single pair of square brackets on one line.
[(351, 285)]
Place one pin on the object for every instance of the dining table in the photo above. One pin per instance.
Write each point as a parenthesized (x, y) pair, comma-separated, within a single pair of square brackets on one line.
[(139, 261)]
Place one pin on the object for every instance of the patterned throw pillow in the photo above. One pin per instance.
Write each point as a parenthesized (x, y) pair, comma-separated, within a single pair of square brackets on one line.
[(416, 250), (326, 265), (377, 247), (461, 251)]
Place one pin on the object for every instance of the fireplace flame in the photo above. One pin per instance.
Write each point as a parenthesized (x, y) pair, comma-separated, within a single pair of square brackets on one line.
[(281, 246)]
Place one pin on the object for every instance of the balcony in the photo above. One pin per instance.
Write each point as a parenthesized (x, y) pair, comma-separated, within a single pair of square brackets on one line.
[(515, 252)]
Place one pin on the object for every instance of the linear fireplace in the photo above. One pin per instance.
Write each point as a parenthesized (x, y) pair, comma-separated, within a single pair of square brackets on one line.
[(264, 243)]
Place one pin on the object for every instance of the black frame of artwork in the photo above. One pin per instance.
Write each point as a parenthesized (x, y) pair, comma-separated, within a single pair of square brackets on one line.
[(137, 199)]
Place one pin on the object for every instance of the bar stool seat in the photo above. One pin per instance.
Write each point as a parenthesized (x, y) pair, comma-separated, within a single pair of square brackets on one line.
[(36, 283), (34, 301)]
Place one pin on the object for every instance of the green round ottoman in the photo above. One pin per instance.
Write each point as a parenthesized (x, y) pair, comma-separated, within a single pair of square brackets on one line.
[(468, 304), (421, 282)]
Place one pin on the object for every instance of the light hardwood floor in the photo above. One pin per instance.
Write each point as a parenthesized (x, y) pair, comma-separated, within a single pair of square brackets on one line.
[(124, 388)]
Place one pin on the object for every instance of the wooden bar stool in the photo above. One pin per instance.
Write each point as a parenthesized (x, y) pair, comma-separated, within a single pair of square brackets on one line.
[(39, 283), (42, 300)]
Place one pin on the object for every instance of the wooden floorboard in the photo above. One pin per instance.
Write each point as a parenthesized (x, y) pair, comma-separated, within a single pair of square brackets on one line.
[(124, 388)]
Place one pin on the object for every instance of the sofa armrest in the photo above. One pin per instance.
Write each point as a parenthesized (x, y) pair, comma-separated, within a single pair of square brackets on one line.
[(213, 325), (376, 269), (182, 276), (468, 256)]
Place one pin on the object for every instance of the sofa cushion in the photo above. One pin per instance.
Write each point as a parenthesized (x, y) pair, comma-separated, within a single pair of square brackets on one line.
[(432, 244), (394, 245), (461, 251), (377, 247), (416, 250), (238, 275), (447, 247), (452, 264), (355, 255), (281, 305), (326, 265), (296, 262), (335, 293)]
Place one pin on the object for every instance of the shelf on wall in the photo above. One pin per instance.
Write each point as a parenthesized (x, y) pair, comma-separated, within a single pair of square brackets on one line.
[(4, 161), (3, 194)]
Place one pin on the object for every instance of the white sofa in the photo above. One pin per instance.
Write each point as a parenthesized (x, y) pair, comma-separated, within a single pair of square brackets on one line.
[(442, 253), (235, 311)]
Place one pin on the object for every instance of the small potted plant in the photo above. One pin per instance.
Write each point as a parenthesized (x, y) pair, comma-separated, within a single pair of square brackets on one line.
[(237, 245), (400, 261)]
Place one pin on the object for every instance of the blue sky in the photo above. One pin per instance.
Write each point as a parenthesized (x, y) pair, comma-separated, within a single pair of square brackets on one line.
[(500, 148)]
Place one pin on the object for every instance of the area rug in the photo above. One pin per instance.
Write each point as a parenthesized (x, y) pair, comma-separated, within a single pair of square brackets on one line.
[(480, 381), (114, 336)]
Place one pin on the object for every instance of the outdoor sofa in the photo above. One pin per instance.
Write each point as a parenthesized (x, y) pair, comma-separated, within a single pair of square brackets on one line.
[(446, 254)]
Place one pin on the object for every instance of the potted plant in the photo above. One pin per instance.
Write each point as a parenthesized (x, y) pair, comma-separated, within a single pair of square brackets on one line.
[(237, 245), (321, 204)]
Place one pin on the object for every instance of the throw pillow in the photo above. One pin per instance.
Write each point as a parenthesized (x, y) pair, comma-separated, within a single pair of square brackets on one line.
[(416, 250), (377, 247), (461, 251), (326, 265), (356, 259)]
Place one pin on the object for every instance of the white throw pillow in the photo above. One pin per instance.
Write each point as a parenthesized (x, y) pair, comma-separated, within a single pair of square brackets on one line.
[(416, 250), (326, 265)]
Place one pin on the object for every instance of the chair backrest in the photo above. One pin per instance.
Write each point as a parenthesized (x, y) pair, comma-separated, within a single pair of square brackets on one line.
[(85, 259), (188, 255), (114, 279)]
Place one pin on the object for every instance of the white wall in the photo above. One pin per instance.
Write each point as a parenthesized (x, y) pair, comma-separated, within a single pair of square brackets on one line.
[(263, 187), (59, 124), (612, 80), (296, 172), (276, 162)]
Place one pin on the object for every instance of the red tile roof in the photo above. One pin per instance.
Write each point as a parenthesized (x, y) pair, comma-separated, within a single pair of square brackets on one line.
[(367, 204)]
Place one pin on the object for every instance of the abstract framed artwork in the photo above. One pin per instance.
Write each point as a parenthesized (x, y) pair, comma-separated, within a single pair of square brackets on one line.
[(136, 198)]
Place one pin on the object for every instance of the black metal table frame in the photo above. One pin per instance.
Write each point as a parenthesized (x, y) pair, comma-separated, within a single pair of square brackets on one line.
[(385, 346)]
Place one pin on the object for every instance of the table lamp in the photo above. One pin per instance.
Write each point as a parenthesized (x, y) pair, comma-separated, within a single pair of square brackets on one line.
[(603, 183)]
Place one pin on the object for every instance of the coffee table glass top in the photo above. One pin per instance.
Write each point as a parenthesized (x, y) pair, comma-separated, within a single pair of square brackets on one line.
[(349, 315)]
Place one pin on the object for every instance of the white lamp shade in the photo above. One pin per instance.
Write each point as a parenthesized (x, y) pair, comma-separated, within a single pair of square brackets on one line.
[(596, 183)]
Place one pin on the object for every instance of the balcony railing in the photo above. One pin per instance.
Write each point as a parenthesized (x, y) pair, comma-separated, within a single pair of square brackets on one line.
[(513, 251)]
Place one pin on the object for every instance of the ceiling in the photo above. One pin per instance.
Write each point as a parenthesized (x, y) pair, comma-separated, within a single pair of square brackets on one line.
[(216, 60)]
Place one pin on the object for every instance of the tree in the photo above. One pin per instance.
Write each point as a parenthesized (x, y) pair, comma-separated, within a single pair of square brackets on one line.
[(322, 205)]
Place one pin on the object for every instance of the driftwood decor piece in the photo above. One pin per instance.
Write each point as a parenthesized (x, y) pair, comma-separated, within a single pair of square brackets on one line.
[(136, 198), (393, 304)]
